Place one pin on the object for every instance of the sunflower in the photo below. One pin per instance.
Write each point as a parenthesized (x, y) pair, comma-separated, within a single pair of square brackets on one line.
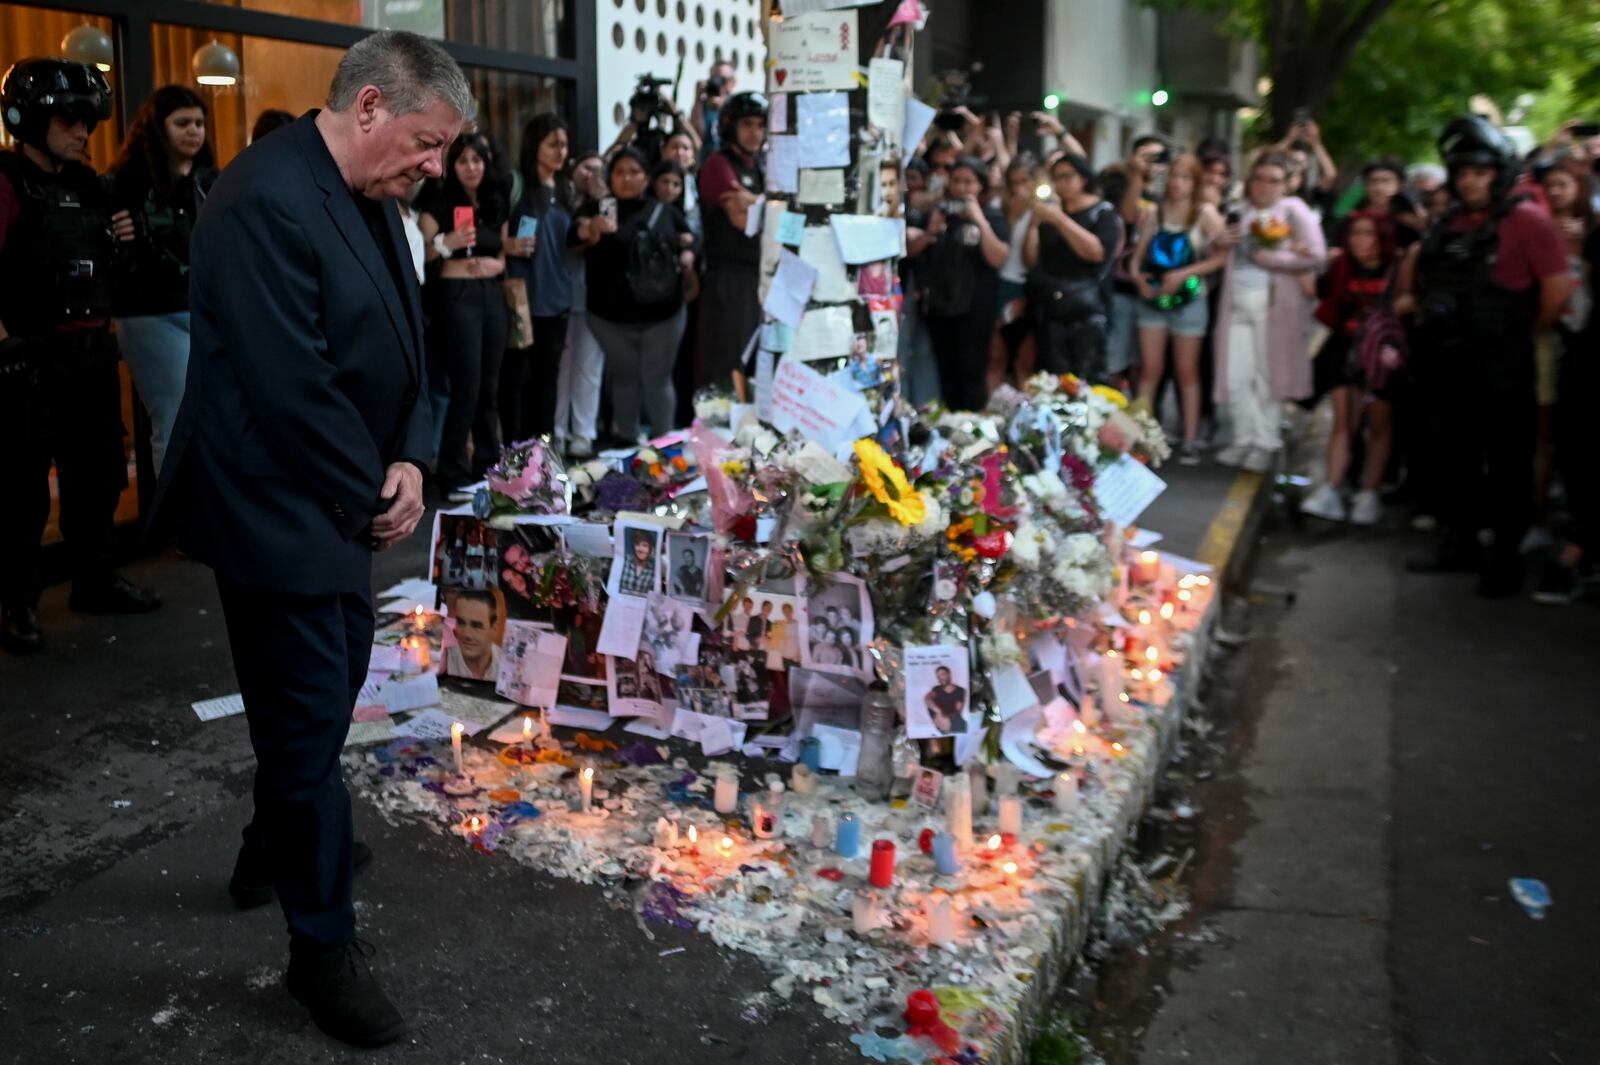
[(1111, 396), (887, 483)]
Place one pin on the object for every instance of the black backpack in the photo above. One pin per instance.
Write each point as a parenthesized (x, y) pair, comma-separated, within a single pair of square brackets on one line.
[(653, 265)]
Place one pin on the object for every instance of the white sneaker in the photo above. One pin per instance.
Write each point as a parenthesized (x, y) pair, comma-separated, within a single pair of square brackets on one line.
[(1324, 503), (1232, 455), (1258, 460), (1366, 509), (582, 448)]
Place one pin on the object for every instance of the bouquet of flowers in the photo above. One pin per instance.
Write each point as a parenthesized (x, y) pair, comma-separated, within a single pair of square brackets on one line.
[(527, 479), (1268, 232)]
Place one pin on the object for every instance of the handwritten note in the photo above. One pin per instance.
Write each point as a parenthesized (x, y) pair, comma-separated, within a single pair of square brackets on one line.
[(812, 51), (820, 186), (824, 333), (886, 96), (791, 227), (1125, 488), (805, 400), (820, 250), (822, 121), (791, 288), (783, 163), (864, 239)]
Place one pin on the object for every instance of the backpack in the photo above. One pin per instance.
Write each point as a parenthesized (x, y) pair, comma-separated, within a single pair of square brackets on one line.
[(1169, 251), (653, 266)]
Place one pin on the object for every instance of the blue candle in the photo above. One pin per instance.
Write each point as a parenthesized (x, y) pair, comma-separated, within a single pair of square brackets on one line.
[(811, 753), (944, 854), (847, 840)]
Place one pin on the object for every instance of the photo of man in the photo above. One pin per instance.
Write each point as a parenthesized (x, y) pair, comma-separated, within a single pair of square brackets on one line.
[(687, 566), (946, 701), (476, 654), (636, 569)]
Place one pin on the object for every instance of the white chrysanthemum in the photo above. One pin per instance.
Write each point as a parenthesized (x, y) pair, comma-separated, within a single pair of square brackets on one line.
[(934, 518)]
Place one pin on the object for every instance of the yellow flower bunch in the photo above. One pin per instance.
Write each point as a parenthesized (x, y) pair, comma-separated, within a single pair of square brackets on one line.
[(733, 467), (1111, 395), (887, 482), (953, 536)]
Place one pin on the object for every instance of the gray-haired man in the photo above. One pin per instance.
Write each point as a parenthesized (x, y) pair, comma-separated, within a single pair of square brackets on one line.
[(298, 452)]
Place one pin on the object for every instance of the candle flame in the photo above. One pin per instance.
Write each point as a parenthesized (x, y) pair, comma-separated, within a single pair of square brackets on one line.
[(1138, 674), (726, 844), (1078, 726), (1184, 595), (1111, 654), (1010, 868), (1155, 676), (527, 725), (1077, 748), (1203, 581), (456, 729), (419, 611), (588, 776), (1116, 747), (474, 823), (1149, 558), (1152, 654), (1124, 697), (1167, 610), (694, 834), (994, 842), (1144, 617)]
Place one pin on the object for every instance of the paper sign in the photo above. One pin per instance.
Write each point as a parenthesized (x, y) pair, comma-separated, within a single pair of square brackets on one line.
[(791, 228), (1012, 692), (593, 540), (821, 186), (791, 288), (1184, 565), (1143, 538), (919, 116), (840, 748), (783, 163), (764, 372), (865, 239), (775, 337), (410, 588), (1125, 488), (573, 717), (409, 693), (818, 248), (812, 51), (225, 706), (621, 626), (363, 732), (1016, 742), (530, 664), (434, 724), (805, 400), (824, 333), (886, 96), (777, 112), (822, 121), (752, 218)]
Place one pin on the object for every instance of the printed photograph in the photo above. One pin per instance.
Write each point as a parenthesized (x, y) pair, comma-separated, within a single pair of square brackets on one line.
[(938, 691), (688, 572)]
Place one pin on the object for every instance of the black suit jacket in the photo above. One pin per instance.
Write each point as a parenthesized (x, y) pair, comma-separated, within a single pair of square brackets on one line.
[(305, 371)]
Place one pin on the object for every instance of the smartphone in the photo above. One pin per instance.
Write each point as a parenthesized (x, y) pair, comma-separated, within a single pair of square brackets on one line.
[(608, 207), (464, 219), (1586, 129), (527, 226), (1233, 217)]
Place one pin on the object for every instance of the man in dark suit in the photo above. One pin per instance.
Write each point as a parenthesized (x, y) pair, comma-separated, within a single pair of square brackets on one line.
[(298, 451)]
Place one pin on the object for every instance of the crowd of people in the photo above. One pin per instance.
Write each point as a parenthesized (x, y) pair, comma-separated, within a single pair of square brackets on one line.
[(587, 295)]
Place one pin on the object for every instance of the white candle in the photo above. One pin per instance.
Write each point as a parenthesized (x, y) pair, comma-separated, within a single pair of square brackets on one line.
[(803, 780), (585, 789), (527, 730), (978, 775), (1110, 680), (864, 912), (456, 730), (941, 920), (1010, 814), (726, 799), (821, 832), (666, 834), (958, 808), (1066, 793)]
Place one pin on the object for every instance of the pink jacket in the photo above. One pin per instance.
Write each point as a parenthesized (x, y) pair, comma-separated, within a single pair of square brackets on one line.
[(1289, 319)]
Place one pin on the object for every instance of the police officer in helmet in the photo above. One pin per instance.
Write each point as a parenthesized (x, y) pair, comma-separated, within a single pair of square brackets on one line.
[(60, 394), (731, 180), (1490, 274)]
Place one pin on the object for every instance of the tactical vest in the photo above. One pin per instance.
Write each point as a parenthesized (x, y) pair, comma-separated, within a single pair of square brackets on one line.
[(57, 262), (726, 243), (1458, 295)]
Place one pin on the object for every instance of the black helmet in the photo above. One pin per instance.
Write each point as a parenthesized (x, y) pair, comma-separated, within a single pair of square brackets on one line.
[(739, 105), (1475, 141), (36, 88)]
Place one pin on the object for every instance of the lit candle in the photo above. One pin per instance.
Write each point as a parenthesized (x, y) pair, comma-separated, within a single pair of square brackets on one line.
[(585, 789), (725, 848), (527, 730), (473, 825), (414, 654), (993, 846), (694, 840), (1152, 654), (1147, 569), (419, 621), (944, 854), (847, 839), (802, 779), (726, 800), (456, 731), (1167, 611), (1010, 871), (1010, 814), (864, 912), (1144, 617), (820, 831), (958, 808), (1110, 679), (941, 920), (1066, 793), (881, 873)]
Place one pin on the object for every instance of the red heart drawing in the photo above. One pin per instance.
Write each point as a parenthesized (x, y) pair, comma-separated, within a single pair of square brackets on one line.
[(780, 74)]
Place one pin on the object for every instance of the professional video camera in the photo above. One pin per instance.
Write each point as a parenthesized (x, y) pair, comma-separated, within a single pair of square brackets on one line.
[(645, 103), (957, 94)]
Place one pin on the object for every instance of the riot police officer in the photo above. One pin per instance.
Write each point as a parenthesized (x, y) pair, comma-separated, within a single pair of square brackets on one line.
[(1490, 274), (60, 394)]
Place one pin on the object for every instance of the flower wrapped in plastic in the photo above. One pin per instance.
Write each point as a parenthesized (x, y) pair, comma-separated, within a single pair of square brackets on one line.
[(528, 478)]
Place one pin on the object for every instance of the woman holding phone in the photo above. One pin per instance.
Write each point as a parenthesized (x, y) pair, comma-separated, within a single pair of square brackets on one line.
[(463, 227), (538, 234)]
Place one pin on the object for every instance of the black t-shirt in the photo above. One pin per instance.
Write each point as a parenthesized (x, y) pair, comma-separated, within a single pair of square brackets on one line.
[(1058, 260), (606, 262), (153, 276), (372, 213), (955, 277)]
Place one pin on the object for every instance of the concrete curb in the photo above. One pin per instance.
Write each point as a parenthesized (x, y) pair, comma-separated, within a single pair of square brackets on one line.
[(1228, 547)]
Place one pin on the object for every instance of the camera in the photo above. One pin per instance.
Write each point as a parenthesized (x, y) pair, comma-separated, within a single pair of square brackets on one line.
[(953, 208), (646, 102), (716, 87), (958, 93)]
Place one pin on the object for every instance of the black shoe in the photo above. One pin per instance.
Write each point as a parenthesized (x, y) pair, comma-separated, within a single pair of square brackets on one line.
[(1558, 585), (251, 883), (113, 595), (19, 630), (1502, 580), (344, 998)]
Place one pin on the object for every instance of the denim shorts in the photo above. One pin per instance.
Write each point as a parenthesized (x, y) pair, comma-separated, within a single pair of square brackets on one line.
[(1190, 320)]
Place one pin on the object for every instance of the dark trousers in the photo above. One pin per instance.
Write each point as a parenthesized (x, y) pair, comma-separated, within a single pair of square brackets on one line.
[(1578, 440), (528, 382), (68, 411), (961, 352), (300, 661), (472, 332), (1073, 347), (1482, 430), (731, 306)]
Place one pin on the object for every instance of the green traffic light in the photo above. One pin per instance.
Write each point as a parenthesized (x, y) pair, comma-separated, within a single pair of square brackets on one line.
[(1051, 101), (1159, 98)]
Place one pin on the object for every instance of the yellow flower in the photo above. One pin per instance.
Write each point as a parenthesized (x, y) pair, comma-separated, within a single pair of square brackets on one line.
[(733, 467), (887, 483), (1111, 395)]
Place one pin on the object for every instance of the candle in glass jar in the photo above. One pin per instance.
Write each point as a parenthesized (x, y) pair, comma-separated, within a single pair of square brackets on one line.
[(821, 831), (944, 854), (726, 799), (847, 838), (802, 779), (585, 789), (1066, 793), (881, 873), (941, 920), (958, 808), (1110, 679), (1147, 569), (456, 731), (414, 654), (1010, 814), (864, 912)]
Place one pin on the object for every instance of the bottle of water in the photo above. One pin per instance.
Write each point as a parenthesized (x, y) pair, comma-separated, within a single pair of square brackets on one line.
[(875, 768)]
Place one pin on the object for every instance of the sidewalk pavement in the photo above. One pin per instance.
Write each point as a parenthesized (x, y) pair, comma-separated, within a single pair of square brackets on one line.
[(121, 944)]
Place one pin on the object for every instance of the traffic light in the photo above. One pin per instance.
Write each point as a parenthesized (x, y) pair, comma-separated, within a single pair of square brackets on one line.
[(1051, 101), (1159, 98)]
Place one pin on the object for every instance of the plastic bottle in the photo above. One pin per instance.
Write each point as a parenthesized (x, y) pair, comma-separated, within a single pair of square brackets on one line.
[(875, 768)]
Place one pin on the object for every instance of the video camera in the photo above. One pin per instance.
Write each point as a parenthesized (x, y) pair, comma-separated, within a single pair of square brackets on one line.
[(716, 87), (645, 103), (957, 94)]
